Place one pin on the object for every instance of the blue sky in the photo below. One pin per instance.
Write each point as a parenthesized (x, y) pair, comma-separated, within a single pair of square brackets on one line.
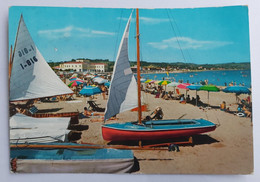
[(199, 35)]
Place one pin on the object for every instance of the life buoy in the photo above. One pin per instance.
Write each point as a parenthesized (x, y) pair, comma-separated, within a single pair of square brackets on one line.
[(240, 114)]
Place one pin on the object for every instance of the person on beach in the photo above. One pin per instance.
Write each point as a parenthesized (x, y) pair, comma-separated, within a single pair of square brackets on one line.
[(87, 113), (188, 99), (183, 101), (223, 106), (104, 90), (157, 114), (246, 111)]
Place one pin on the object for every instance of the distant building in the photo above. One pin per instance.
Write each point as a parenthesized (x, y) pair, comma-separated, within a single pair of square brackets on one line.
[(99, 67), (76, 66)]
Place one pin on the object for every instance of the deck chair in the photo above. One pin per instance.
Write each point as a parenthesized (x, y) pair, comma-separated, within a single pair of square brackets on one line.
[(178, 91), (95, 107), (33, 110)]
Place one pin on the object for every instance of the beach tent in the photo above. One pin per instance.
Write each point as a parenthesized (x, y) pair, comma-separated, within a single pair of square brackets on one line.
[(26, 129)]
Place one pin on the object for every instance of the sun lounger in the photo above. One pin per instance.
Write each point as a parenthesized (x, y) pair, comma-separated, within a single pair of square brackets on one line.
[(33, 110), (95, 107)]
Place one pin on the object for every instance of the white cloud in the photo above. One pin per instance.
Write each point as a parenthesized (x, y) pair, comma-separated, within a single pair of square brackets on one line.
[(153, 20), (188, 43), (73, 31), (147, 20)]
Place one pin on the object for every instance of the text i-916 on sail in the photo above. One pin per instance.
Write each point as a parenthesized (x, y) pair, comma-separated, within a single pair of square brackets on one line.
[(25, 51), (29, 62)]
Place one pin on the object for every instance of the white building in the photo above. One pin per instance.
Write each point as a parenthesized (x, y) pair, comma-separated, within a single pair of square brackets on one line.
[(99, 67), (77, 66)]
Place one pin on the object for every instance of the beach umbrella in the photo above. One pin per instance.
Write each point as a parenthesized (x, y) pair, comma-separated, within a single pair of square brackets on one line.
[(73, 78), (173, 84), (237, 90), (90, 76), (164, 82), (75, 82), (107, 84), (184, 86), (99, 80), (195, 87), (147, 81), (142, 79), (153, 81), (89, 90), (209, 88)]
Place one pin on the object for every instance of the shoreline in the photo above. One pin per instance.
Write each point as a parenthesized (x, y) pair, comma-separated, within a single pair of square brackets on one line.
[(188, 71)]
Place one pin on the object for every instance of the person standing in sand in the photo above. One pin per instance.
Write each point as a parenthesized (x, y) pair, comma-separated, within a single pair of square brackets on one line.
[(104, 90)]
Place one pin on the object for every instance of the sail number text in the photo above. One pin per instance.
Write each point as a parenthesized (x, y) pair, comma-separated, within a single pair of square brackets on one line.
[(29, 62), (25, 51)]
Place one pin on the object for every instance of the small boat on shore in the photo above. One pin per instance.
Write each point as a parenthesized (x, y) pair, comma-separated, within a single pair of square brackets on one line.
[(125, 94), (156, 130), (69, 158)]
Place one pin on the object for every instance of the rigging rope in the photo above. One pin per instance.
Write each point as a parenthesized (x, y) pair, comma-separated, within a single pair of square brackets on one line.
[(117, 37), (176, 36), (178, 30)]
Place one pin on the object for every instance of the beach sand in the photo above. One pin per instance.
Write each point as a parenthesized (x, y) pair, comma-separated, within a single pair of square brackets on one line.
[(227, 150)]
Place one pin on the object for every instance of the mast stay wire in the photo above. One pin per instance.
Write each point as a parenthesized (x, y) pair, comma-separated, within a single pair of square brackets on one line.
[(117, 29), (178, 30), (175, 33)]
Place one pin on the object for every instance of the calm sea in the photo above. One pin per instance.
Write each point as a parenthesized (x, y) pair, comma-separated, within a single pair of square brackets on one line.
[(219, 78)]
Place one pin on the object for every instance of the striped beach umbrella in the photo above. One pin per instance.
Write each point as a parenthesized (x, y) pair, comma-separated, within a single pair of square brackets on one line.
[(147, 81), (164, 82), (75, 83)]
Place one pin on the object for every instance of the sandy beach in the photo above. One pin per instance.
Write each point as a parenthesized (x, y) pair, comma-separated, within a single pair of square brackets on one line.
[(227, 150)]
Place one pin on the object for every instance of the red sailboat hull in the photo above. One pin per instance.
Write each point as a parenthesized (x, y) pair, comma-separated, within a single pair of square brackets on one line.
[(111, 134)]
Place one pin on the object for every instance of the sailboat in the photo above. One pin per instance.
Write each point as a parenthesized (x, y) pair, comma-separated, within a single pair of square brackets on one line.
[(125, 94), (39, 145)]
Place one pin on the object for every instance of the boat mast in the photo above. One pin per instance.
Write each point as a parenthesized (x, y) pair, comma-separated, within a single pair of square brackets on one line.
[(10, 62), (138, 68)]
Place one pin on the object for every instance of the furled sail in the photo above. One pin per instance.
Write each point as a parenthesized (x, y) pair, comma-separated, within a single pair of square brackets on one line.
[(25, 129), (123, 88), (31, 76)]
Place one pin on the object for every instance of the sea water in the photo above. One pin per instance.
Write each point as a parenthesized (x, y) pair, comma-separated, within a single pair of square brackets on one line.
[(219, 78)]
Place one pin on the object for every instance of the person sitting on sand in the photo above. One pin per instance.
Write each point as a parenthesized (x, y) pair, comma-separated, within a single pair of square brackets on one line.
[(188, 99), (183, 101), (246, 111), (157, 113), (193, 101), (223, 106)]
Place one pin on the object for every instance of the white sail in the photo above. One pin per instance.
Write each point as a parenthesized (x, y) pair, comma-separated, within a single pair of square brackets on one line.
[(31, 76), (123, 88)]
